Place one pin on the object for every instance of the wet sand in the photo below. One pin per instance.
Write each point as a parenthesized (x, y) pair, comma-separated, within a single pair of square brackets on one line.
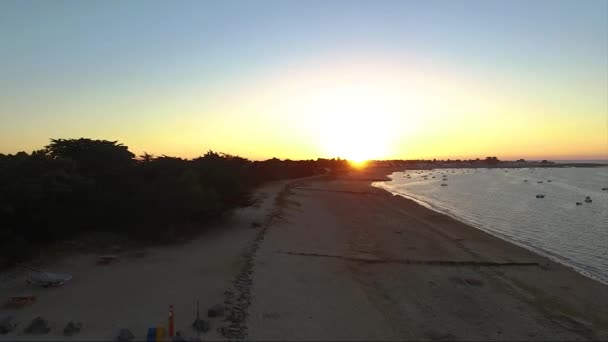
[(332, 258)]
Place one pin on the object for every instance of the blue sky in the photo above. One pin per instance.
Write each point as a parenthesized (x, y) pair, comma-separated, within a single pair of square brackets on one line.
[(73, 68)]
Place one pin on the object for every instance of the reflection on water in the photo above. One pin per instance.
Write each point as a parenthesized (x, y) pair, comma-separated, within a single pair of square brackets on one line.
[(504, 202)]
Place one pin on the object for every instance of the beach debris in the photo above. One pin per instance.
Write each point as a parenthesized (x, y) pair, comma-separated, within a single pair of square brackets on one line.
[(255, 224), (38, 325), (200, 325), (72, 328), (605, 189), (106, 259), (47, 279), (7, 325), (125, 335), (179, 337), (588, 199), (20, 301), (216, 311), (230, 332), (540, 196), (579, 203)]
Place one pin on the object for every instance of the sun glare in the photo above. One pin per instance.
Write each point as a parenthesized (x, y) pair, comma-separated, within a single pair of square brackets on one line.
[(351, 122), (358, 164)]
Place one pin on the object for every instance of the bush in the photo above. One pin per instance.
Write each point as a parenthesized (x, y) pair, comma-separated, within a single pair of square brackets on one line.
[(78, 185)]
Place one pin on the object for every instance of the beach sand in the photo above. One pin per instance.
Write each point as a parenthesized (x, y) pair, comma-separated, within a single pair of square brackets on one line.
[(333, 258), (135, 292), (352, 262)]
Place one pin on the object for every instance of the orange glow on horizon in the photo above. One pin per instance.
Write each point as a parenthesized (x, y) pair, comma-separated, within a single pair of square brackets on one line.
[(380, 109), (358, 164)]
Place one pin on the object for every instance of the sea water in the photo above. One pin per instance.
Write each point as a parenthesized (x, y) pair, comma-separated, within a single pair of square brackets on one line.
[(503, 203)]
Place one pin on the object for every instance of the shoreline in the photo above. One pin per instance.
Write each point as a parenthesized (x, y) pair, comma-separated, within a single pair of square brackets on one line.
[(384, 267), (540, 252)]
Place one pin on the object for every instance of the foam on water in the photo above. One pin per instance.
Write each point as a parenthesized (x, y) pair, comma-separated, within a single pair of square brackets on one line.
[(502, 203)]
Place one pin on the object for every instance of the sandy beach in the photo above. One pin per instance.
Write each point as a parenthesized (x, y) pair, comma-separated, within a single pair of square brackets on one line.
[(135, 291), (324, 258), (351, 262)]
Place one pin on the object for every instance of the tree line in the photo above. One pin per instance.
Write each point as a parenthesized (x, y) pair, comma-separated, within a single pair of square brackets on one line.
[(74, 186)]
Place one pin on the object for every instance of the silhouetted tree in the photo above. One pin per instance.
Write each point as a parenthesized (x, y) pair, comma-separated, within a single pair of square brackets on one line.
[(78, 185), (492, 160)]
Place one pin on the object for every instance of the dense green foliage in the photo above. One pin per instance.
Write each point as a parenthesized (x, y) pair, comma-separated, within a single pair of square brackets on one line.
[(80, 185)]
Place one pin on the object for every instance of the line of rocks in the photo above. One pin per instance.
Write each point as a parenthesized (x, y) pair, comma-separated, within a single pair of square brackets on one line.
[(38, 325), (238, 299)]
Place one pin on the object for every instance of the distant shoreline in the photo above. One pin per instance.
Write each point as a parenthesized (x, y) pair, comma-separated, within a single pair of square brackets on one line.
[(456, 165)]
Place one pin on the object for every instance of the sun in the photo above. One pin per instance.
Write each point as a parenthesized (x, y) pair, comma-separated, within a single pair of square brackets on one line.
[(358, 164), (355, 124), (357, 144)]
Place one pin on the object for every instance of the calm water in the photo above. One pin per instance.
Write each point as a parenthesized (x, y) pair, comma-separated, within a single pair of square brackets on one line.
[(502, 203)]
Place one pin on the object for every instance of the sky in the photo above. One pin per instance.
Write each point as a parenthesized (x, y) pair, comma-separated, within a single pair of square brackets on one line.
[(306, 79)]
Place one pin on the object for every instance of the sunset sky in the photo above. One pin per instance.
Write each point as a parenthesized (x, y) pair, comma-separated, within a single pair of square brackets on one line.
[(307, 79)]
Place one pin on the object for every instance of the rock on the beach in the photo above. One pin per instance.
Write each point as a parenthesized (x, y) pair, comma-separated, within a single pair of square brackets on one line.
[(179, 337), (216, 311), (38, 326), (125, 335), (7, 325), (231, 332), (72, 328), (201, 325)]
